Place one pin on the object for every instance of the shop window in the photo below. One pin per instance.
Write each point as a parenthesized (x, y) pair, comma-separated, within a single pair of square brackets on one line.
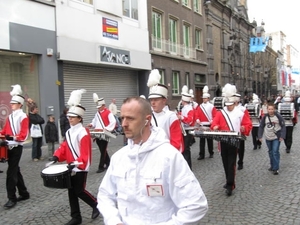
[(16, 71)]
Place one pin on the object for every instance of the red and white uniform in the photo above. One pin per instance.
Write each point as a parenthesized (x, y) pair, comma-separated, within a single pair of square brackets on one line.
[(187, 116), (16, 125), (168, 121), (205, 113), (104, 120), (237, 118), (76, 147)]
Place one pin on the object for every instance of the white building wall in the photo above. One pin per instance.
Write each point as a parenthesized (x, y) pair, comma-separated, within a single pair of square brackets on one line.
[(80, 32), (27, 13)]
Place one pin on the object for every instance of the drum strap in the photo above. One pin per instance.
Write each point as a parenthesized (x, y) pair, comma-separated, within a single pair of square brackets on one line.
[(12, 125), (100, 120), (155, 120), (228, 121), (69, 142), (204, 111)]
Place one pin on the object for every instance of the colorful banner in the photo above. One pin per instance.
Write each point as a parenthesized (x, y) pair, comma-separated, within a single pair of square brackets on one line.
[(110, 28), (258, 44)]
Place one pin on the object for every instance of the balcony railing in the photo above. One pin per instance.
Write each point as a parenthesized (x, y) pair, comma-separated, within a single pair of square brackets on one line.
[(167, 46)]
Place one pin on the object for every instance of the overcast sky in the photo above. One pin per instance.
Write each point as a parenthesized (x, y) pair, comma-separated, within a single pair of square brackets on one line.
[(278, 15)]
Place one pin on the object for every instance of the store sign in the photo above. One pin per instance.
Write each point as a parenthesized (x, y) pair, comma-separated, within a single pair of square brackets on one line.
[(113, 55), (110, 28)]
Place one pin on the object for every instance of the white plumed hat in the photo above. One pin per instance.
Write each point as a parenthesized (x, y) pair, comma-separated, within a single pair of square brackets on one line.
[(229, 94), (255, 98), (185, 96), (287, 96), (156, 90), (75, 108), (16, 94), (99, 101), (205, 92)]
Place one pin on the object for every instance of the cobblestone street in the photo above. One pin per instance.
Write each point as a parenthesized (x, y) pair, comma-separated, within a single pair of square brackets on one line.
[(259, 197)]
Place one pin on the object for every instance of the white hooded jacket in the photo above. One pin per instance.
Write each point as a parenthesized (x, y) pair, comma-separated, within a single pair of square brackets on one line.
[(123, 196)]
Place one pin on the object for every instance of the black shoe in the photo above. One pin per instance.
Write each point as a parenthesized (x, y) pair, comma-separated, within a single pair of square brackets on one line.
[(240, 167), (22, 198), (270, 169), (275, 172), (288, 150), (254, 148), (10, 204), (1, 171), (211, 156), (200, 158), (225, 186), (100, 170), (229, 191), (74, 221), (95, 213), (259, 147)]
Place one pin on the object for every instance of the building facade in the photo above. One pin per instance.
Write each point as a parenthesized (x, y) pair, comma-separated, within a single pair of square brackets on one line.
[(102, 46), (27, 54), (177, 45)]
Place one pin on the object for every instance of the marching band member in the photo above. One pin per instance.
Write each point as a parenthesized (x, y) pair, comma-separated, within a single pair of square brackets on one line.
[(255, 125), (288, 141), (204, 115), (230, 118), (194, 105), (15, 131), (77, 149), (186, 116), (103, 120), (241, 150), (161, 116)]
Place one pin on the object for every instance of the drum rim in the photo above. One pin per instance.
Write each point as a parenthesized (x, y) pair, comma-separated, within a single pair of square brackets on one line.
[(59, 173)]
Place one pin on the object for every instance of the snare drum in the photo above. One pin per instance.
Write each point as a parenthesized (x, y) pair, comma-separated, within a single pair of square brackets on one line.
[(254, 110), (3, 153), (218, 102), (56, 176), (286, 110)]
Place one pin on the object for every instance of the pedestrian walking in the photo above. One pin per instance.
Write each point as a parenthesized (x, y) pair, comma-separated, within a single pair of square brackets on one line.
[(273, 127), (51, 135)]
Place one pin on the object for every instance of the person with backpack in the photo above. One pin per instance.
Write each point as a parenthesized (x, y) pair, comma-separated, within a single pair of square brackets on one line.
[(273, 127)]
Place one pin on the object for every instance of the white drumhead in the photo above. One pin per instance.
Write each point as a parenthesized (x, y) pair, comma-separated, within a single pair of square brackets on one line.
[(55, 169)]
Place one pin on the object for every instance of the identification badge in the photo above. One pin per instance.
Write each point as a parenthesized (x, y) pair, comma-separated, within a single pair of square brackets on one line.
[(154, 190)]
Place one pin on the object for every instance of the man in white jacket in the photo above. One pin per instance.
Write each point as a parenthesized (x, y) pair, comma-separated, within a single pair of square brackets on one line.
[(148, 181)]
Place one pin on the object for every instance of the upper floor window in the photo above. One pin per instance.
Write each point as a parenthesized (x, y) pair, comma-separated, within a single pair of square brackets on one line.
[(130, 9), (173, 35), (156, 30), (186, 3), (198, 39), (187, 79), (197, 6), (162, 79), (186, 38), (86, 1), (175, 82)]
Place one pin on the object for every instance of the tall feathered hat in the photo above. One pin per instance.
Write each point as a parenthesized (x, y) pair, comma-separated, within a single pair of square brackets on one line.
[(75, 108), (99, 101), (229, 94), (255, 98), (191, 92), (16, 94), (205, 92), (185, 96), (287, 96), (156, 90)]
